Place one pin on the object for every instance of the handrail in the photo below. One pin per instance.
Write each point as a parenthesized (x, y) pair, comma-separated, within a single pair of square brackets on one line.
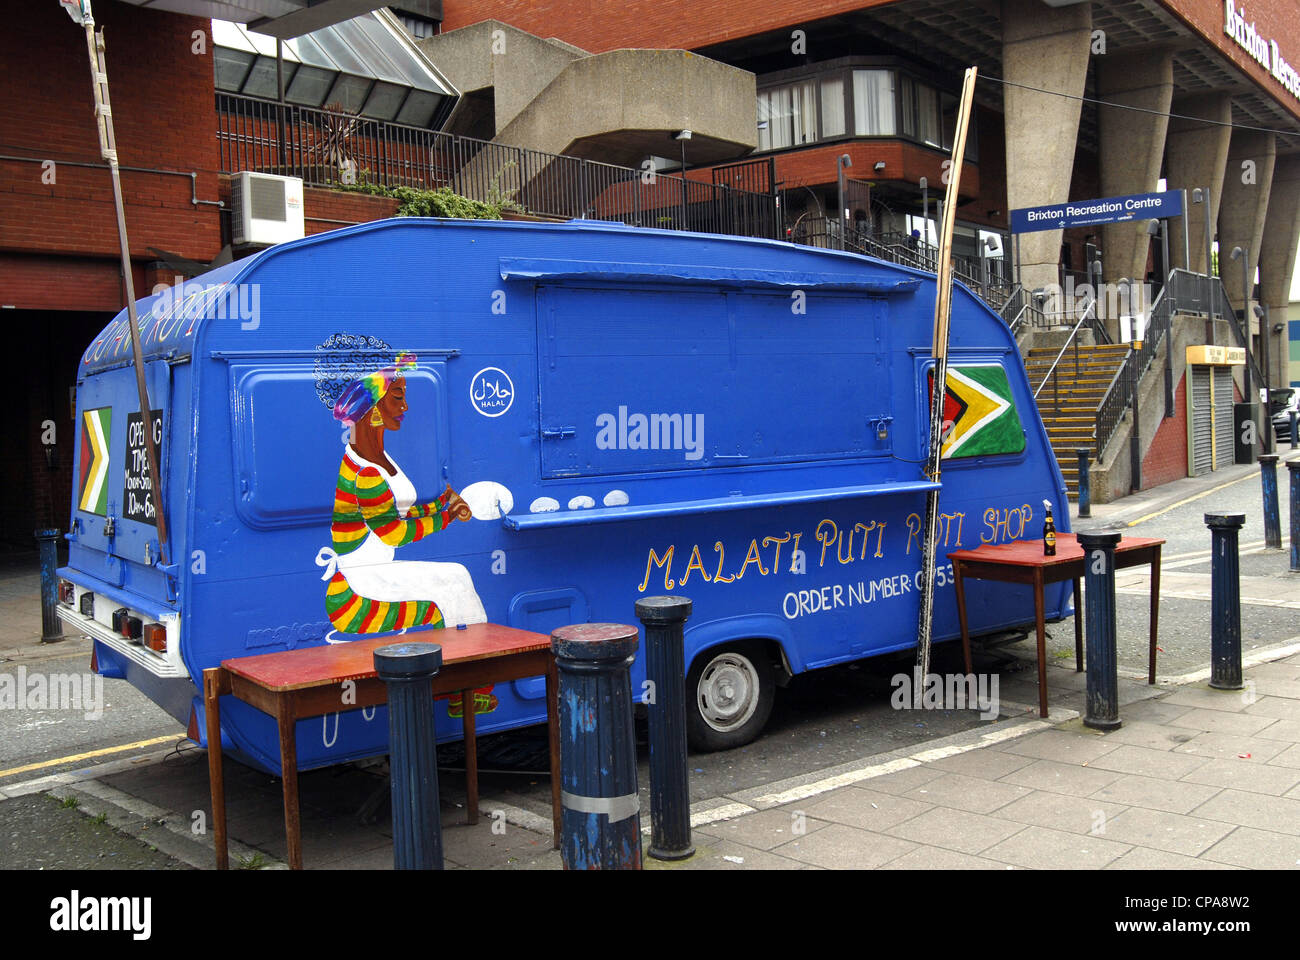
[(1052, 369)]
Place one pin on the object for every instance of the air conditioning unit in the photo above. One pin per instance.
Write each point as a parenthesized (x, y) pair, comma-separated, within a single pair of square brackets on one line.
[(265, 209)]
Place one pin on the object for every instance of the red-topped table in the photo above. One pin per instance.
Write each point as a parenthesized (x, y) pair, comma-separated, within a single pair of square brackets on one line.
[(1022, 561), (297, 684)]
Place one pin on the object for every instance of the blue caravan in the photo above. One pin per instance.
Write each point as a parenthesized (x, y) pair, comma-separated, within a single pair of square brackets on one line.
[(422, 422)]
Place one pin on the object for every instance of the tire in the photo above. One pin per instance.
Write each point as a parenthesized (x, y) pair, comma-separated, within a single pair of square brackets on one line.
[(731, 689)]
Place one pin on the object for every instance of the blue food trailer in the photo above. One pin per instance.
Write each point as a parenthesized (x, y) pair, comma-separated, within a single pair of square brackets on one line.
[(421, 422)]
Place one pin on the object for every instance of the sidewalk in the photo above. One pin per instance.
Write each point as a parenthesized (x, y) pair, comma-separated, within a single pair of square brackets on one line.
[(1194, 778)]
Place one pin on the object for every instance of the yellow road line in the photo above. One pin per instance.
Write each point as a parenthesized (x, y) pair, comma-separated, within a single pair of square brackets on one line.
[(171, 738), (1205, 493)]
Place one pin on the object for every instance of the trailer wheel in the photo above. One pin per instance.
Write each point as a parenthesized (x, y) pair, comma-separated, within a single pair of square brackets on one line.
[(731, 690)]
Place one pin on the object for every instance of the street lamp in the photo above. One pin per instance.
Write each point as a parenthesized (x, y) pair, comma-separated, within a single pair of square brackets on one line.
[(1240, 253), (843, 161), (1248, 397), (1202, 195), (681, 136)]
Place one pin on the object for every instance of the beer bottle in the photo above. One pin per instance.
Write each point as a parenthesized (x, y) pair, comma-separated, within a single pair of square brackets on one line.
[(1049, 532)]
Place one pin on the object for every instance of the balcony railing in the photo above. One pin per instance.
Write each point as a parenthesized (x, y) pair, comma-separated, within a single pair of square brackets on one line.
[(905, 250), (329, 148)]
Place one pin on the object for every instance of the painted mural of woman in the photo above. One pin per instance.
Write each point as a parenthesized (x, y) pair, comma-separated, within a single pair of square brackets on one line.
[(375, 512)]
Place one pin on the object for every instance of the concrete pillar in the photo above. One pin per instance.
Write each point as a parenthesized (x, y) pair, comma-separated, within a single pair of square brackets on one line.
[(1277, 262), (1046, 48), (1247, 182), (1196, 155), (1132, 146)]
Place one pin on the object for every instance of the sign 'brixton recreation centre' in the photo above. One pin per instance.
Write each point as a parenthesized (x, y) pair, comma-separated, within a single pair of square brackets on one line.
[(1087, 213)]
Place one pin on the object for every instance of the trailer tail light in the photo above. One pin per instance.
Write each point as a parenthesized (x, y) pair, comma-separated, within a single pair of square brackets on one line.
[(67, 592), (88, 604), (155, 637), (119, 620), (132, 628)]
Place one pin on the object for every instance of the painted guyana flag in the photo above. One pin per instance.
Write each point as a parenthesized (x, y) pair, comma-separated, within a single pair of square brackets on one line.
[(979, 405), (96, 426)]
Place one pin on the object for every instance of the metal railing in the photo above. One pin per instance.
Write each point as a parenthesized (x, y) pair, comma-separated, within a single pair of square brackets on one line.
[(330, 148), (902, 249), (1115, 401), (1087, 318), (1184, 292)]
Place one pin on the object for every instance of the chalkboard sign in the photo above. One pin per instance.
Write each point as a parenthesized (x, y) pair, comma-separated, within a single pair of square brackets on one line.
[(137, 491)]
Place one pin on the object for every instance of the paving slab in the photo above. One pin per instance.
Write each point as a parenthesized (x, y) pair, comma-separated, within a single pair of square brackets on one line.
[(863, 807), (1171, 832), (1260, 810), (1172, 796), (958, 830), (1040, 848), (1253, 775), (766, 829), (937, 858), (1257, 850), (1145, 762), (1226, 746), (1222, 721), (968, 793), (1063, 745), (1070, 778), (1148, 858), (841, 847), (1082, 815)]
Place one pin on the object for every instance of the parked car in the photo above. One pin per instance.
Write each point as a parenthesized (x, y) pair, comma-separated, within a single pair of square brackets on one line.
[(1282, 418)]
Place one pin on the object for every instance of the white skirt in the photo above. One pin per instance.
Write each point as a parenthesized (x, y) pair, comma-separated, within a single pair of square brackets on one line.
[(372, 573)]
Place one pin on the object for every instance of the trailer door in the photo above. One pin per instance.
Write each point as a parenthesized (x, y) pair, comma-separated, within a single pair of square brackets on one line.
[(636, 380)]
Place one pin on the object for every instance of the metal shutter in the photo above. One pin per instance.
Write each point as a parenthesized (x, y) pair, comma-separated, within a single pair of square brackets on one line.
[(1223, 400), (1202, 458)]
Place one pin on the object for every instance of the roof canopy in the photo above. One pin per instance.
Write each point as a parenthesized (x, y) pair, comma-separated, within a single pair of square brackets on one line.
[(367, 65)]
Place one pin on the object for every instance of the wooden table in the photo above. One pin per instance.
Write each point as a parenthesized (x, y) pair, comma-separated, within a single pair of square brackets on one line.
[(298, 684), (1022, 561)]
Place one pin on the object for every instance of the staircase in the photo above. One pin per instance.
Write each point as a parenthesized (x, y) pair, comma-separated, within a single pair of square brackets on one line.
[(1069, 401)]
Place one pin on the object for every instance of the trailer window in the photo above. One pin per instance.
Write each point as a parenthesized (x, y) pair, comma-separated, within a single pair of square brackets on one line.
[(288, 446), (980, 415), (637, 380)]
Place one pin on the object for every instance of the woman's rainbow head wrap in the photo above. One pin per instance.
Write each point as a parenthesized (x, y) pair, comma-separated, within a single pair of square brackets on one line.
[(362, 394)]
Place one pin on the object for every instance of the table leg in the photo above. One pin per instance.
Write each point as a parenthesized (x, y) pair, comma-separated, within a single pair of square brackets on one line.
[(289, 781), (471, 756), (216, 777), (553, 734), (960, 586), (1078, 625), (1041, 623), (1155, 613)]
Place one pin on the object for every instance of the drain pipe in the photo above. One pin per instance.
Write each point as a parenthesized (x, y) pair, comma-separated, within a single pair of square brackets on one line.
[(193, 175)]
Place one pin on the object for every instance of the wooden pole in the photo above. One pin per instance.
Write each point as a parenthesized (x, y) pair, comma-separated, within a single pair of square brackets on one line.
[(108, 149), (939, 350)]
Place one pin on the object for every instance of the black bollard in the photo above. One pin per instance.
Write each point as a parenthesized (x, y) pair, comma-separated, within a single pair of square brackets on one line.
[(1272, 516), (1102, 656), (1293, 468), (1225, 600), (601, 815), (51, 628), (407, 669), (670, 800), (1295, 430), (1085, 482)]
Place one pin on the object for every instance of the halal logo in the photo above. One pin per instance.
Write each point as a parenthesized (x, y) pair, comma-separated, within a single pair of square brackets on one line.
[(491, 391)]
